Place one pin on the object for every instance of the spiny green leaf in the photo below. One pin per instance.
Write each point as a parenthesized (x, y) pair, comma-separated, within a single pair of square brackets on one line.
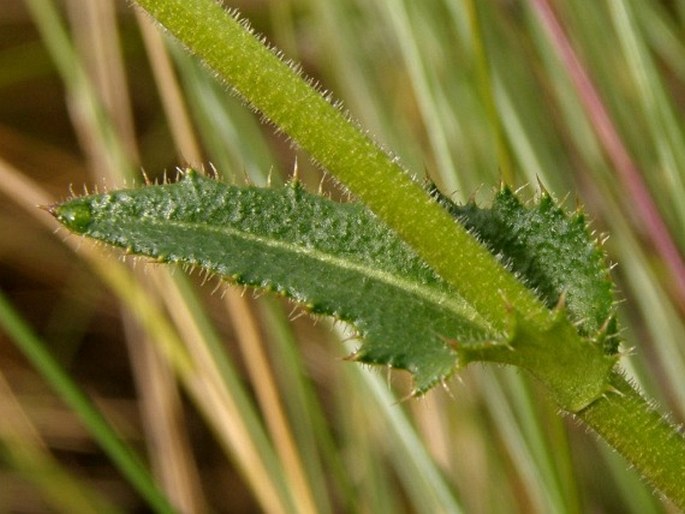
[(340, 260), (336, 259), (552, 253)]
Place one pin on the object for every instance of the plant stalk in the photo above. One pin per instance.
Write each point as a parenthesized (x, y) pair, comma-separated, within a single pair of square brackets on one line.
[(645, 438), (278, 91)]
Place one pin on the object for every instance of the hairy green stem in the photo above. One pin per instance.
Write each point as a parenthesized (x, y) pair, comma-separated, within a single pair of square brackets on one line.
[(279, 92), (629, 423)]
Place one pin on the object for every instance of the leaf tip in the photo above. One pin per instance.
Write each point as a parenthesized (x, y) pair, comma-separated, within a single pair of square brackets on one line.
[(76, 215)]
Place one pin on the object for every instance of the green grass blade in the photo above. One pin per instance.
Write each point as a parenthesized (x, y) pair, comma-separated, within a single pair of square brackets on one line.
[(23, 451), (123, 456)]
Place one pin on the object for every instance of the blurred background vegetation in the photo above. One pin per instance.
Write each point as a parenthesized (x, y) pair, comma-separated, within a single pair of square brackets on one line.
[(584, 98)]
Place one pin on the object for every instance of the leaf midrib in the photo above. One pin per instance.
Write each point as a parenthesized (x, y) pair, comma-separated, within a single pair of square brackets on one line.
[(415, 288)]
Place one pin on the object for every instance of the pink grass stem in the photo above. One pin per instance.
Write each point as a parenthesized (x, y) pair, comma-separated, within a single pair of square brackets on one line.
[(626, 169)]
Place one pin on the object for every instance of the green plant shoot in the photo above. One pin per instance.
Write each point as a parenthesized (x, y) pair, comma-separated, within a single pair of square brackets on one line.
[(429, 286)]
